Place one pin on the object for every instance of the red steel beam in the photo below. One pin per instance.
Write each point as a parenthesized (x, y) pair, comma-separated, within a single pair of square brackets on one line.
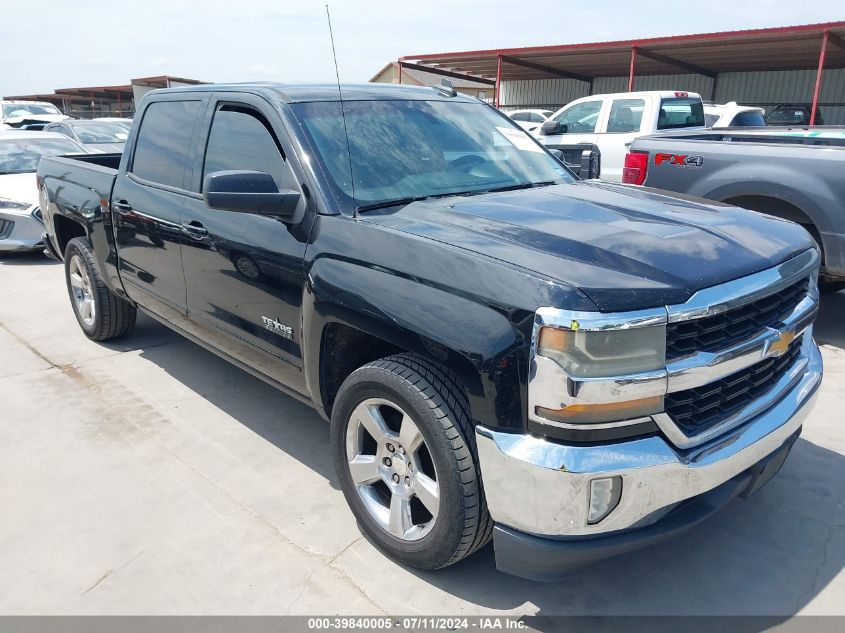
[(498, 79), (722, 36), (631, 71), (819, 73)]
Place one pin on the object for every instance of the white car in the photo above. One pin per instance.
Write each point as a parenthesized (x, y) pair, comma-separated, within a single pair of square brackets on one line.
[(21, 227), (14, 114), (528, 118), (609, 123), (733, 115), (96, 136)]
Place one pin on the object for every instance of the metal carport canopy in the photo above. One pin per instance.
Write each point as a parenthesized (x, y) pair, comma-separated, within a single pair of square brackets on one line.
[(781, 48)]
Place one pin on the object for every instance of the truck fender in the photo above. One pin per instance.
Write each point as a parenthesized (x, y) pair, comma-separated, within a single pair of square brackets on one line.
[(731, 182), (71, 204), (476, 341)]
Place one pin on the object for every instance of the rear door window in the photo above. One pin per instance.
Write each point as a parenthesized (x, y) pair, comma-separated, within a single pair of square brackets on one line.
[(163, 145), (680, 112), (625, 115)]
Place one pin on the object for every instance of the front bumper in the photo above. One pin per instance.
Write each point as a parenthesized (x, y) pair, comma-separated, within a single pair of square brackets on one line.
[(20, 232), (541, 488)]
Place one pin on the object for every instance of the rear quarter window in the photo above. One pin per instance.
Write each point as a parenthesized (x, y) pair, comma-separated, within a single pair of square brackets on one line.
[(680, 112), (161, 151)]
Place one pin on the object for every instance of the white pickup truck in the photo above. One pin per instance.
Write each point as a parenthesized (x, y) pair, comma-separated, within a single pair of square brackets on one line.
[(594, 132)]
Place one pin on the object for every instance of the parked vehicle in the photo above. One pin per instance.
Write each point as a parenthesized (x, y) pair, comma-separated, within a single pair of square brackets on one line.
[(459, 311), (604, 125), (28, 114), (733, 115), (528, 118), (794, 174), (97, 137), (793, 114), (21, 226)]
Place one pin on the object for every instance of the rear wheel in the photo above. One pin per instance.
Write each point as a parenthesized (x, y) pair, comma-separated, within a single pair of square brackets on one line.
[(101, 314), (404, 451)]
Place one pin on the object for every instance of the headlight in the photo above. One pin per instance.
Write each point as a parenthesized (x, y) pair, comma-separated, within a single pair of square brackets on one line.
[(597, 369), (584, 354), (11, 204)]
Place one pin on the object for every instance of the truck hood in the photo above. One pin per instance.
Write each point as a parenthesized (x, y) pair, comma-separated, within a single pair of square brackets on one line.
[(625, 247), (19, 187)]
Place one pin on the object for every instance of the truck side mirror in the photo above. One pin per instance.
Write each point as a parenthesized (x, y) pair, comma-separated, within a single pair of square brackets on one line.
[(553, 127), (248, 192)]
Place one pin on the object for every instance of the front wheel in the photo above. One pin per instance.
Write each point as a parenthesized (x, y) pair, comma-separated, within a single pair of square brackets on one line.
[(101, 314), (404, 452)]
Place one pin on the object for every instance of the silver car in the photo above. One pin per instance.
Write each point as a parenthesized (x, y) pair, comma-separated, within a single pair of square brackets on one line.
[(96, 136), (21, 227)]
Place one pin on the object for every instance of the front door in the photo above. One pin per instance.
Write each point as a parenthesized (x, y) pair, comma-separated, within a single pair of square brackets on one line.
[(148, 203), (244, 272), (580, 120)]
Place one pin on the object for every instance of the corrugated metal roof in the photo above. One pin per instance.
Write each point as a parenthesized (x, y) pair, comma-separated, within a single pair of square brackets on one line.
[(780, 48)]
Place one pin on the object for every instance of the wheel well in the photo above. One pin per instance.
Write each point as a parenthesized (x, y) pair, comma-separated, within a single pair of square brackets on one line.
[(66, 229), (780, 209), (772, 206), (344, 349)]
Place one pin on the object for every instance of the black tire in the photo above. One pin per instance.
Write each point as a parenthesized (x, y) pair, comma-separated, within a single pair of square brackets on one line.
[(113, 317), (434, 399)]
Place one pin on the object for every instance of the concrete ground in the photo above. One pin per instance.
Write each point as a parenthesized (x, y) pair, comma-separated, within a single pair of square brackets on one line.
[(150, 477)]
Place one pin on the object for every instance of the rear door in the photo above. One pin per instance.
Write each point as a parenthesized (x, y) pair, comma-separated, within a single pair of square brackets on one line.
[(244, 272), (148, 203), (623, 124)]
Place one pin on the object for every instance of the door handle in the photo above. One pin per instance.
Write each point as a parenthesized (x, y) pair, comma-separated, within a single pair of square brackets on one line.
[(194, 229), (121, 206)]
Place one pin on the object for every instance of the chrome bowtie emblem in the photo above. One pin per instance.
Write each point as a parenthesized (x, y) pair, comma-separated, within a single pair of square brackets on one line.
[(779, 345)]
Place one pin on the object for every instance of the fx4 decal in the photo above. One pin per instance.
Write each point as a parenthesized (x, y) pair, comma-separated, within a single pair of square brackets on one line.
[(679, 159)]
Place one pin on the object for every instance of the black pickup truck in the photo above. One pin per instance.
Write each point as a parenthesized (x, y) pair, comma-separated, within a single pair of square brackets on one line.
[(574, 368)]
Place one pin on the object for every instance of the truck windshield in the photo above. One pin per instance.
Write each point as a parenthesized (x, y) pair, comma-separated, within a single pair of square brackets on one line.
[(13, 110), (19, 155), (95, 132), (407, 150)]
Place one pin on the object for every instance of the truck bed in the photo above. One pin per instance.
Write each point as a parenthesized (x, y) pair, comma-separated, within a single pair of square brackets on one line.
[(827, 136)]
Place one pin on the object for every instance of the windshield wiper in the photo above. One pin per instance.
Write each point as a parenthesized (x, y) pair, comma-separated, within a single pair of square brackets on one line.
[(384, 204), (524, 185)]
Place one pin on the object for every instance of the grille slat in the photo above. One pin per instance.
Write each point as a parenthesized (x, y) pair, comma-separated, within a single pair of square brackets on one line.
[(695, 410), (713, 333)]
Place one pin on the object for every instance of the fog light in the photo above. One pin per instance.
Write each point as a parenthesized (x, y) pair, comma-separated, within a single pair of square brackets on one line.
[(605, 494)]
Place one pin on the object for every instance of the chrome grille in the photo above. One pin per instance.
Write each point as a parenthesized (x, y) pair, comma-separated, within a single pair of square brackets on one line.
[(717, 332), (695, 410)]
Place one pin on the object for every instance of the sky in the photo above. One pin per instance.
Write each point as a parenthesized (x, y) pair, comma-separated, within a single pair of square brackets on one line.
[(75, 43)]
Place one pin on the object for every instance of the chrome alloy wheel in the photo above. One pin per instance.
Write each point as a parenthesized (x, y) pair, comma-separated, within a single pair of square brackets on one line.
[(83, 293), (392, 469)]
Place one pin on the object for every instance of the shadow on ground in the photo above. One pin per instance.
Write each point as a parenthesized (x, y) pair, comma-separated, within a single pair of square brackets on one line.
[(830, 326), (27, 259), (770, 555)]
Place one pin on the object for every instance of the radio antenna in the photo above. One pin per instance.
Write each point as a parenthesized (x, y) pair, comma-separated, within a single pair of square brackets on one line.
[(343, 116)]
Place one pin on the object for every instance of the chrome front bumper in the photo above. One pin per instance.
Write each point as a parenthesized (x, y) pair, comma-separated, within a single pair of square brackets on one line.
[(542, 487)]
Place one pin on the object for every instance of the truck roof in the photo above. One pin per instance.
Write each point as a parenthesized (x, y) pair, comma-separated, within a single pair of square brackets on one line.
[(295, 93)]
